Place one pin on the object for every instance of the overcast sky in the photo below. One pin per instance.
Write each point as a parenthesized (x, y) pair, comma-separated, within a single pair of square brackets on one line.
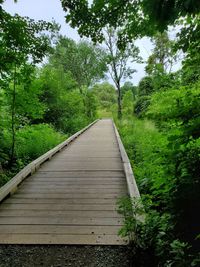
[(52, 9)]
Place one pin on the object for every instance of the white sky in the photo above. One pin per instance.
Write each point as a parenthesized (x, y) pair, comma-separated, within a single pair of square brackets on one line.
[(52, 9)]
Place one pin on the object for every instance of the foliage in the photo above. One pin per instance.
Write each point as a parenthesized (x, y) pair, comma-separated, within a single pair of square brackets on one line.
[(31, 142), (105, 94), (71, 66), (154, 167), (30, 97), (132, 211), (66, 108), (127, 103), (164, 55), (147, 148), (141, 106), (54, 85), (137, 18), (128, 86), (145, 86), (35, 140), (28, 106), (163, 13), (177, 111), (166, 165), (23, 44), (21, 40), (145, 89), (188, 41), (85, 61), (152, 233), (118, 60)]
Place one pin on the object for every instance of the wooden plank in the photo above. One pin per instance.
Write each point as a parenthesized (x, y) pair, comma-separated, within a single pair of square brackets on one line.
[(79, 174), (75, 182), (79, 166), (70, 191), (106, 201), (61, 239), (54, 206), (64, 220), (59, 229), (69, 186), (91, 146), (67, 195), (71, 159), (94, 153), (61, 213)]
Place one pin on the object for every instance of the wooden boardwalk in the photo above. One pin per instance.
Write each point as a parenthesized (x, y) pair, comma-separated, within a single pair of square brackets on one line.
[(70, 199)]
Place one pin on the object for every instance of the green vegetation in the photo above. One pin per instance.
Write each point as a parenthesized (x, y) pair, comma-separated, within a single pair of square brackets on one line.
[(163, 143), (159, 120), (41, 106)]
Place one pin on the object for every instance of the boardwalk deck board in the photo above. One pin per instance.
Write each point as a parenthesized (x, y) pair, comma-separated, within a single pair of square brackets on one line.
[(70, 199)]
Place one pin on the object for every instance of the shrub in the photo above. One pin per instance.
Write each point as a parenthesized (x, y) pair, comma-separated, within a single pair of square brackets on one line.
[(146, 148), (141, 105), (35, 140)]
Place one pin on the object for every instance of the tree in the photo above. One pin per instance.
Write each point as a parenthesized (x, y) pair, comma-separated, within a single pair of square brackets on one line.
[(128, 103), (145, 86), (23, 44), (188, 41), (85, 61), (145, 89), (105, 94), (128, 86), (163, 57), (118, 61), (54, 85), (137, 18)]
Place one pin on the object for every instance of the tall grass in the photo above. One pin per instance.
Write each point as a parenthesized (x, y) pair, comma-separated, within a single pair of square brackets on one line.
[(31, 142), (146, 148)]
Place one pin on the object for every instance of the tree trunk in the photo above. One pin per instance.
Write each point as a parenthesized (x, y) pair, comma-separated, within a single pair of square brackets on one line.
[(119, 102), (1, 169), (13, 119)]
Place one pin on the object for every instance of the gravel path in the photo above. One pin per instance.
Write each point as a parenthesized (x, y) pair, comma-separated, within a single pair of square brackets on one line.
[(64, 256)]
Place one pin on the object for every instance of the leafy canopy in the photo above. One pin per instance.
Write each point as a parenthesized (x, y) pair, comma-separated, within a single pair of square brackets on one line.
[(136, 17), (85, 61)]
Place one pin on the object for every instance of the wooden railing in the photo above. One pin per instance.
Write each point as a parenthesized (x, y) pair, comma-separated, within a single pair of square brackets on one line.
[(130, 179)]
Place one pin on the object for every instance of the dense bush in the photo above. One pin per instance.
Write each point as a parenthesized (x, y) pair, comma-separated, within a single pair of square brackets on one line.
[(141, 106), (166, 159), (35, 140), (145, 86), (31, 142), (177, 113), (147, 148), (155, 169), (128, 103)]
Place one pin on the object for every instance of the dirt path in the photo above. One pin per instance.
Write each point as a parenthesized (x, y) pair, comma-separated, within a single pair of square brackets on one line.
[(64, 256)]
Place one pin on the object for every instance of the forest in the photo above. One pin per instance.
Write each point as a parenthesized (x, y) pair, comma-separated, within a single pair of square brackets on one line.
[(52, 86)]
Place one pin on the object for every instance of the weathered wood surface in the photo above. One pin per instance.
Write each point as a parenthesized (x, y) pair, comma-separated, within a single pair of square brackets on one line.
[(71, 199)]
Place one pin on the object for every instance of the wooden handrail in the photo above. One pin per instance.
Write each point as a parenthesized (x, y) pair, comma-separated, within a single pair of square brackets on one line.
[(131, 183)]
